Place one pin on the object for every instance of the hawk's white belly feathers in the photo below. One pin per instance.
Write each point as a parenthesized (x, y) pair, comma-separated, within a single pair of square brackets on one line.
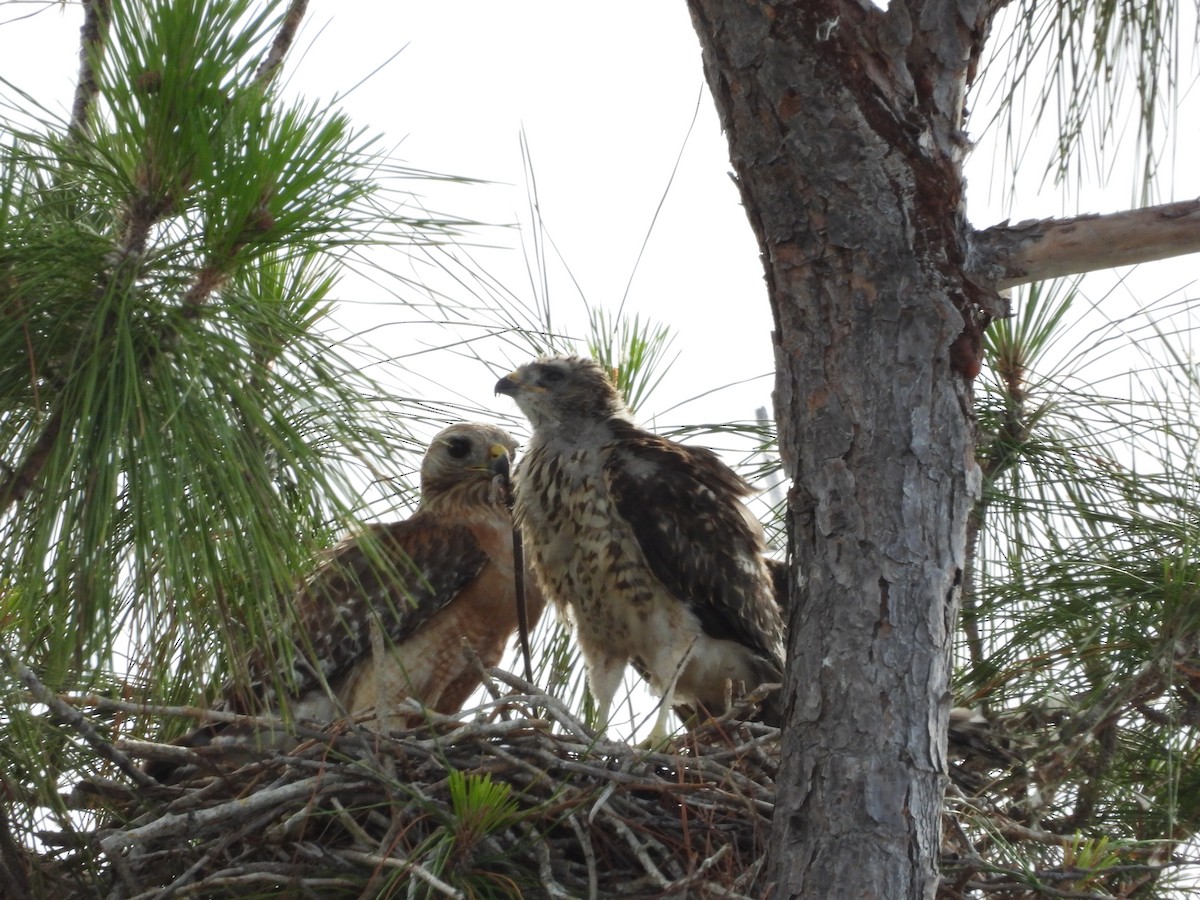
[(591, 563)]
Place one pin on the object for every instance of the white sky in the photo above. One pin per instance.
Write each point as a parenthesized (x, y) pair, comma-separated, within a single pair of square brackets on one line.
[(605, 94)]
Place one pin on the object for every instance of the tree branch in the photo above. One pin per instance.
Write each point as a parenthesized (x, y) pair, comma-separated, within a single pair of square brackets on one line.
[(282, 43), (226, 814), (96, 16), (14, 859), (75, 719), (18, 482), (1035, 250)]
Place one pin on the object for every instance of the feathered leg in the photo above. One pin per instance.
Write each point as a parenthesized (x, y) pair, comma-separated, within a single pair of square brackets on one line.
[(659, 733), (604, 677)]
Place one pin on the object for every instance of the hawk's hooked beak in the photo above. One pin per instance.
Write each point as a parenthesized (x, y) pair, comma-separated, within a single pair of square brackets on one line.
[(498, 461), (510, 384), (513, 384)]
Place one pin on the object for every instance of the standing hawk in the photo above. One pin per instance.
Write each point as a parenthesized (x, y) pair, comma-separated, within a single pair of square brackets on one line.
[(645, 544), (422, 586)]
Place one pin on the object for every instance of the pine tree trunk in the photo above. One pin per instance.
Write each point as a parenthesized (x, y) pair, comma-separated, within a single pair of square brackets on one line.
[(844, 128)]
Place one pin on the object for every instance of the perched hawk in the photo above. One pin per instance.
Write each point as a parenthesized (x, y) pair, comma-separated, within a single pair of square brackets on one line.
[(421, 585), (645, 544)]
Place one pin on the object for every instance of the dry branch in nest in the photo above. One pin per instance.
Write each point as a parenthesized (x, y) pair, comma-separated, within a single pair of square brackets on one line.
[(515, 798)]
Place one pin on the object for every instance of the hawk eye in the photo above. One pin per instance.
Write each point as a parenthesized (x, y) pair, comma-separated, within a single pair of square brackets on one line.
[(552, 376), (458, 447)]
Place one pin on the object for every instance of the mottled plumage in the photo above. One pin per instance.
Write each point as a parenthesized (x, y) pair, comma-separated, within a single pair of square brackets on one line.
[(422, 586), (645, 543)]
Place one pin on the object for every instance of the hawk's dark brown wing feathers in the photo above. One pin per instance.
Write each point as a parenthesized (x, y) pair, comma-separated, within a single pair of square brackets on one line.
[(653, 483), (402, 573)]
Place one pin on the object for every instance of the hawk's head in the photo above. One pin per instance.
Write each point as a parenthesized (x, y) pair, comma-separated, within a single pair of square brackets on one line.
[(563, 390), (465, 454)]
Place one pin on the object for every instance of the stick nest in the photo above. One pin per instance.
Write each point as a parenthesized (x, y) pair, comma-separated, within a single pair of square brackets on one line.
[(517, 798)]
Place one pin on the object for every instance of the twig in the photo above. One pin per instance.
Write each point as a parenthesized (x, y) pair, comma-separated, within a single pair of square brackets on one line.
[(282, 43), (96, 16), (13, 861), (19, 481), (228, 813), (750, 874), (518, 555), (488, 683), (700, 872), (263, 723), (392, 862), (75, 719), (522, 601), (639, 850), (589, 856), (545, 869), (347, 822), (212, 853), (563, 714), (230, 884)]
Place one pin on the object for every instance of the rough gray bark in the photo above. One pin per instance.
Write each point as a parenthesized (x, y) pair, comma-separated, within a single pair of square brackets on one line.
[(844, 123)]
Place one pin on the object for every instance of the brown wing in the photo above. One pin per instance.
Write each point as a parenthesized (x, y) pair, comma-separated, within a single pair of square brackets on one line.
[(401, 573), (684, 507)]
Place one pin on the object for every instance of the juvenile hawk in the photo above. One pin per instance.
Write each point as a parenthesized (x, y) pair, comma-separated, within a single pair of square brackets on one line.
[(645, 544), (423, 585)]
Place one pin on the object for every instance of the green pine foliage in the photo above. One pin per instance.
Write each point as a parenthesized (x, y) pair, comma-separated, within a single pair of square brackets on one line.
[(1071, 64), (179, 436), (1080, 640)]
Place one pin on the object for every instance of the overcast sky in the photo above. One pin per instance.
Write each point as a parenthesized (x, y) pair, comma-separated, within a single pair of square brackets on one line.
[(606, 94)]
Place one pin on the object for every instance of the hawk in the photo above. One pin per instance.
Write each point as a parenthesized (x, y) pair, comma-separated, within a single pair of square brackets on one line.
[(384, 615), (645, 544)]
